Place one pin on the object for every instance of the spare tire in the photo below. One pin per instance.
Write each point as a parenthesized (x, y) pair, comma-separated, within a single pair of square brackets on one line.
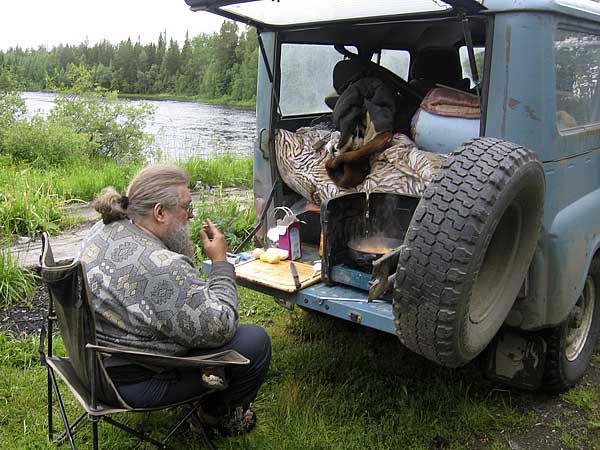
[(467, 250)]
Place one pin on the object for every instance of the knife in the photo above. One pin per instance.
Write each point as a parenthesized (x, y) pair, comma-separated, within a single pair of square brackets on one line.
[(295, 275)]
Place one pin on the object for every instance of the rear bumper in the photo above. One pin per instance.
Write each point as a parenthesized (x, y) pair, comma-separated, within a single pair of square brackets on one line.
[(348, 304), (339, 301)]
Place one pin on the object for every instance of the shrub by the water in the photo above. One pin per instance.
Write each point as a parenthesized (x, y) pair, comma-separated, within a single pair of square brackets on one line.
[(12, 108), (116, 127), (45, 144)]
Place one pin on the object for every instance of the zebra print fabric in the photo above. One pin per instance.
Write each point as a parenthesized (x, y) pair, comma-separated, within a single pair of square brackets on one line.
[(402, 168)]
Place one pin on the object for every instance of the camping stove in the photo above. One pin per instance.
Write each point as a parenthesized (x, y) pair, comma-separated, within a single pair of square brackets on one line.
[(353, 218)]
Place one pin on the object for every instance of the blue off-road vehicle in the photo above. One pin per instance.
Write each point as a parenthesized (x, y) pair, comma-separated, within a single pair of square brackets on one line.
[(443, 161)]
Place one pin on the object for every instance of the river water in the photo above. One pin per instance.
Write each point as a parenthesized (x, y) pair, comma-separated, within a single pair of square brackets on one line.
[(184, 129)]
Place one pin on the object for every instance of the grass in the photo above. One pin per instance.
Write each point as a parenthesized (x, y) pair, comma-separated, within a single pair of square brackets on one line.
[(32, 200), (583, 397), (331, 385), (28, 208), (221, 171), (234, 217), (16, 284), (585, 416)]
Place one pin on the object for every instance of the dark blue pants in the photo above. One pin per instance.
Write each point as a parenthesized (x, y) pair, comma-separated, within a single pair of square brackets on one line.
[(181, 384)]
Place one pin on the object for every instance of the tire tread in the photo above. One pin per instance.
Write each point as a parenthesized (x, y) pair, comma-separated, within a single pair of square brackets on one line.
[(434, 265)]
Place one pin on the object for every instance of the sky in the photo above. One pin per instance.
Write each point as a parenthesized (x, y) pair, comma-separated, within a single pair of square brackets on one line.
[(31, 23)]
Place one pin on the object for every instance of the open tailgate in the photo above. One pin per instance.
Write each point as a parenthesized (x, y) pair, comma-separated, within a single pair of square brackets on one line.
[(269, 14)]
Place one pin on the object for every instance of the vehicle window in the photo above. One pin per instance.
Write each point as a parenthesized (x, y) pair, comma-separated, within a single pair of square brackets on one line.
[(306, 78), (397, 61), (466, 66), (577, 57)]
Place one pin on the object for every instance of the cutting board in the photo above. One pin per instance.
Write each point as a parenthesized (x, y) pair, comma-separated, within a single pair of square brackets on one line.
[(277, 276)]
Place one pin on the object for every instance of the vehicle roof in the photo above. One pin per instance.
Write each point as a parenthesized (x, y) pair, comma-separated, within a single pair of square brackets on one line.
[(585, 9)]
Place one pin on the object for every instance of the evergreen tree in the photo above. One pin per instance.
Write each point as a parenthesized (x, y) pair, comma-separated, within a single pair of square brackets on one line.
[(217, 65)]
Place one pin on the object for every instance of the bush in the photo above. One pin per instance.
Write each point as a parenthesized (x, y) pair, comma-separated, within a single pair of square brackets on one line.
[(16, 284), (12, 105), (115, 126), (44, 144), (12, 108)]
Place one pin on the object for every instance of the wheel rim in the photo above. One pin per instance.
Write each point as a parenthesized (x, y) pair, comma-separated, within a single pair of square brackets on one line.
[(496, 266), (580, 321)]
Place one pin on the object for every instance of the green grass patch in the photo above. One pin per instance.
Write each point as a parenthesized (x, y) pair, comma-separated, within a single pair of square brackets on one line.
[(583, 397), (28, 206), (32, 199), (85, 181), (331, 385), (224, 171), (16, 284), (235, 218)]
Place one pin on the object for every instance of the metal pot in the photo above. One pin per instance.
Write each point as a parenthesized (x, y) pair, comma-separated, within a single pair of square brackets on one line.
[(364, 251)]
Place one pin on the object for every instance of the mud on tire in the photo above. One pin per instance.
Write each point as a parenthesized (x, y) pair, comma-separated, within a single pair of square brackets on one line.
[(467, 250)]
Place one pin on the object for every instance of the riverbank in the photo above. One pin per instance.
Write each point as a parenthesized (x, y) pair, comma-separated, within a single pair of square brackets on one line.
[(223, 101), (250, 105)]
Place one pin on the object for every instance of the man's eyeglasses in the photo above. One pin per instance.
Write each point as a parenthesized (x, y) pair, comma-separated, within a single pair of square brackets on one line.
[(190, 210)]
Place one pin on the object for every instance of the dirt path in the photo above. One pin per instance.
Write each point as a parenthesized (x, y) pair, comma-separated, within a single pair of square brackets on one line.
[(66, 245)]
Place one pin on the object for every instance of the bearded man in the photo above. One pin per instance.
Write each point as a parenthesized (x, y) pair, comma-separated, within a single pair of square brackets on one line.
[(148, 296)]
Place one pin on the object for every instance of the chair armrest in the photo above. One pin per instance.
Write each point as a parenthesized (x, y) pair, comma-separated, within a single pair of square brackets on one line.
[(224, 358)]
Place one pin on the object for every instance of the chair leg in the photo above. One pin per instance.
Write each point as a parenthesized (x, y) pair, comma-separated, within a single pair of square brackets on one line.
[(207, 442), (63, 413), (95, 431), (133, 432), (183, 419), (75, 427), (50, 422)]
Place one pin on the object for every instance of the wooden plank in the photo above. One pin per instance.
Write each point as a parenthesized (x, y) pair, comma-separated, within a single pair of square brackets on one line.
[(277, 276)]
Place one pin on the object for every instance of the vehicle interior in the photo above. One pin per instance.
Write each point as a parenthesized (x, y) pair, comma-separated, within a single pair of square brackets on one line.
[(316, 68), (435, 51)]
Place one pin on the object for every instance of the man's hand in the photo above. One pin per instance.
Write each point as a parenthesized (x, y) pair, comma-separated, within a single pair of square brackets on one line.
[(213, 242)]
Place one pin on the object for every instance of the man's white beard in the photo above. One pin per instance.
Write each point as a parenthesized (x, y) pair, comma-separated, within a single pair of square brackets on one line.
[(178, 240)]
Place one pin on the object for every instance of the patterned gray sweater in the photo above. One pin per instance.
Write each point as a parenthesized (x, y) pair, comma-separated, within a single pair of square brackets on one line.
[(149, 298)]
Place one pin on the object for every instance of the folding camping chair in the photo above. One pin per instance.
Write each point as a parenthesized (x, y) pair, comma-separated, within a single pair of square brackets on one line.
[(83, 371)]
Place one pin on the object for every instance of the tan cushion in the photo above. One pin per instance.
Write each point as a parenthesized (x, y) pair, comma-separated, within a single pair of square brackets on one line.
[(451, 103)]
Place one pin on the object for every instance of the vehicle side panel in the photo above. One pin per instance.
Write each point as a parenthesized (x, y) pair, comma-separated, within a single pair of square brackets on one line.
[(522, 109)]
